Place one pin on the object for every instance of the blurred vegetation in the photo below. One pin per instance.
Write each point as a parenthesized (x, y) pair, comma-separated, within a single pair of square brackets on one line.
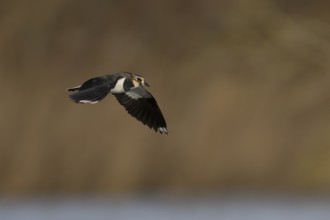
[(244, 86)]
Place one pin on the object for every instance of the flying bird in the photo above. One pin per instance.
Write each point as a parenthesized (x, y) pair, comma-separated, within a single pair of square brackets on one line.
[(129, 90)]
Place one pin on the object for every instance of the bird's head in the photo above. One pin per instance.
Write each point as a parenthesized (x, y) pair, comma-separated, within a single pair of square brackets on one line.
[(138, 80)]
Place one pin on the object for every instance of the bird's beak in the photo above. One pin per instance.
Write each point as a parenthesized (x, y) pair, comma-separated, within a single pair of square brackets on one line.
[(147, 84)]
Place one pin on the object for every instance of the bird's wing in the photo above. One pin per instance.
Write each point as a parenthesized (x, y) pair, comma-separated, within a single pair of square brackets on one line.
[(142, 105), (93, 90)]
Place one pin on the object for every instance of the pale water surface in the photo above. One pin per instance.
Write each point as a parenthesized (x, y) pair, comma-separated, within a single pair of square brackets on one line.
[(167, 208)]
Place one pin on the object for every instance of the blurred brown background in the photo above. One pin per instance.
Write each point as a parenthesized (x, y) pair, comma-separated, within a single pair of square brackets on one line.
[(244, 86)]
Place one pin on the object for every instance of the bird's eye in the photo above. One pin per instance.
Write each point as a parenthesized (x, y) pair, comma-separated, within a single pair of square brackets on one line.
[(139, 79)]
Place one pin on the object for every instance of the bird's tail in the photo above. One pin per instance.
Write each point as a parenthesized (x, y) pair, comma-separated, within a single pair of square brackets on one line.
[(89, 95)]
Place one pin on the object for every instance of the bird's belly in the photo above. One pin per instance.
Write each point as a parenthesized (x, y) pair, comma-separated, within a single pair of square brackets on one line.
[(119, 87)]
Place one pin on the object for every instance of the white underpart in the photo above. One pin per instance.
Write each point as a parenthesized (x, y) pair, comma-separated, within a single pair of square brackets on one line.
[(162, 129), (88, 102), (119, 87), (76, 87)]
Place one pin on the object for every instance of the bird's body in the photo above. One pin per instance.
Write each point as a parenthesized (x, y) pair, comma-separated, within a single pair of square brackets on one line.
[(129, 91)]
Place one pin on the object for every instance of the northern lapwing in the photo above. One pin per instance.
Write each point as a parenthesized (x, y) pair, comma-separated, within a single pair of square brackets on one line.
[(129, 90)]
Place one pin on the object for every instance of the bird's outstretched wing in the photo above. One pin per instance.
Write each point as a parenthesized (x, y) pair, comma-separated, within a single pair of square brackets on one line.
[(93, 90), (142, 105)]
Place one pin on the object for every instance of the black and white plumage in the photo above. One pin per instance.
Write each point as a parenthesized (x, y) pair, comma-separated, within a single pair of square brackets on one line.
[(129, 90)]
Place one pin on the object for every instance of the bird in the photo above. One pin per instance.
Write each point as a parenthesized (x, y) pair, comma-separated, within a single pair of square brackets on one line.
[(129, 90)]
